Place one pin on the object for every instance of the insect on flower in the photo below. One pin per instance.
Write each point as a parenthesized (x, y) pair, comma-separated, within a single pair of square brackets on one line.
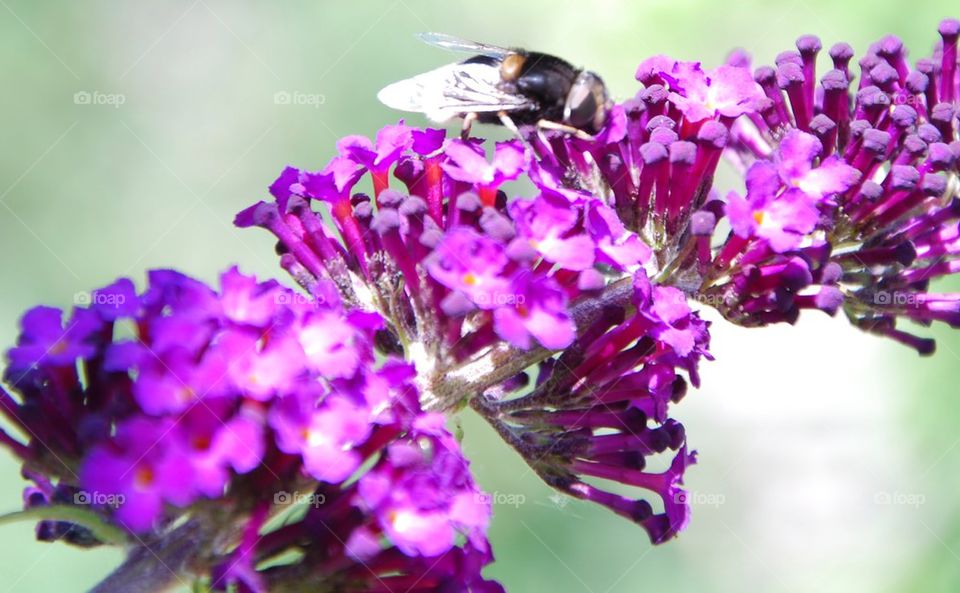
[(504, 86)]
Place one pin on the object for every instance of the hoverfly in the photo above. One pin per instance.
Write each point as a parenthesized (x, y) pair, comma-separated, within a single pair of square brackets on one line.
[(504, 86)]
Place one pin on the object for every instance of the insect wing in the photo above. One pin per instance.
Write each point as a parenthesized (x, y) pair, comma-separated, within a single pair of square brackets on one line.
[(451, 43), (453, 90)]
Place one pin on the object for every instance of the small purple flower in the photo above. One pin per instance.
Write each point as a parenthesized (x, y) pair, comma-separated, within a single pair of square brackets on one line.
[(334, 347), (142, 473), (175, 381), (392, 142), (246, 301), (782, 219), (260, 366), (173, 294), (423, 495), (667, 485), (727, 91), (212, 443), (677, 327), (427, 142), (616, 246), (472, 264), (46, 339), (326, 436), (662, 69), (795, 158), (116, 301), (281, 187), (467, 163), (536, 310), (548, 226)]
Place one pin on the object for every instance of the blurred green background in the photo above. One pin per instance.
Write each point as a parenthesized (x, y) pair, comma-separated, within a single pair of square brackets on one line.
[(828, 458)]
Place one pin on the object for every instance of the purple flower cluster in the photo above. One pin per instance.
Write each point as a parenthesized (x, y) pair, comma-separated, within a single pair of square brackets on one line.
[(600, 408), (846, 201), (474, 266), (144, 406), (851, 191)]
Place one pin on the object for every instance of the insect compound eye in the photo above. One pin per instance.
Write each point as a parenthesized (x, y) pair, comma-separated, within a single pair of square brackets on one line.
[(587, 103)]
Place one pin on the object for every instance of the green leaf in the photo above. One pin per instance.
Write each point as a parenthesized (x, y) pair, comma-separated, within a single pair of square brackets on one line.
[(102, 530)]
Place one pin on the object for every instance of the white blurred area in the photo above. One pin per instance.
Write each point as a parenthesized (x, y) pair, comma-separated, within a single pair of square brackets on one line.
[(805, 479)]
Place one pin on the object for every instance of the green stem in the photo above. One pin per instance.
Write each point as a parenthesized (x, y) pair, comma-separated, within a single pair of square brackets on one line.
[(87, 518), (502, 361), (160, 564)]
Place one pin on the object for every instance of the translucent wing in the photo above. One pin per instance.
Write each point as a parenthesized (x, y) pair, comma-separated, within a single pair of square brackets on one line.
[(449, 42), (453, 90)]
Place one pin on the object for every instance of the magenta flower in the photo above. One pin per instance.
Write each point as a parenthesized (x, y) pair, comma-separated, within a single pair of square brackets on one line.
[(115, 301), (795, 159), (783, 220), (391, 143), (240, 398), (615, 245), (549, 227), (248, 302), (282, 187), (142, 472), (726, 91), (46, 339), (325, 436), (257, 369), (213, 440), (333, 346), (467, 163), (538, 309), (472, 264), (424, 498)]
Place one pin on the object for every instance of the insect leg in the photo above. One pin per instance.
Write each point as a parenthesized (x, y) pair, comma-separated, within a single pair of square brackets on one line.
[(552, 125), (468, 120), (509, 124)]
